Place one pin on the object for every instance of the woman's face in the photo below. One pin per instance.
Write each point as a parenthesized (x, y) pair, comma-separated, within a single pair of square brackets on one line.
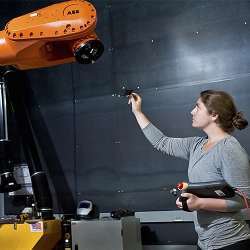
[(200, 116)]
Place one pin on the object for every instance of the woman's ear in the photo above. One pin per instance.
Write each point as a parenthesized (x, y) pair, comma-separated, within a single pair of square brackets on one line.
[(214, 116)]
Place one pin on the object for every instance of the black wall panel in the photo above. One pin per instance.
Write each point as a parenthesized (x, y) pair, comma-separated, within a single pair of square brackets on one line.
[(168, 51), (117, 153)]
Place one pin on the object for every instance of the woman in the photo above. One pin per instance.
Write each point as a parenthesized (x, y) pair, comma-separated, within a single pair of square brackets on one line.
[(219, 223)]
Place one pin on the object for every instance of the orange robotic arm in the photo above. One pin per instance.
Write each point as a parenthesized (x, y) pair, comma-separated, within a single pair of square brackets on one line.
[(57, 34)]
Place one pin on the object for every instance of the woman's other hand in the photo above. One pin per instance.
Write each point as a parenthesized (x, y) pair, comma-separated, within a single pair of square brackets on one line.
[(193, 202)]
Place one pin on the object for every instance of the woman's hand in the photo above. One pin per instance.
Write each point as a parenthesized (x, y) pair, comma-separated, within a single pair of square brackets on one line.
[(193, 202), (135, 100)]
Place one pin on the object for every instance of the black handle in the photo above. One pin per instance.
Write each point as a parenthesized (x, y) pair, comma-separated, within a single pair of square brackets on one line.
[(183, 200)]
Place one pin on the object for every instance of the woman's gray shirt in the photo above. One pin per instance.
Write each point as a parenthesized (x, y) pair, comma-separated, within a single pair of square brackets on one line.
[(227, 160)]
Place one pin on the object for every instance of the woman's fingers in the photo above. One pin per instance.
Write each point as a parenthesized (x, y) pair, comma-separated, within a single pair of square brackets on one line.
[(130, 99), (178, 203), (135, 96)]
